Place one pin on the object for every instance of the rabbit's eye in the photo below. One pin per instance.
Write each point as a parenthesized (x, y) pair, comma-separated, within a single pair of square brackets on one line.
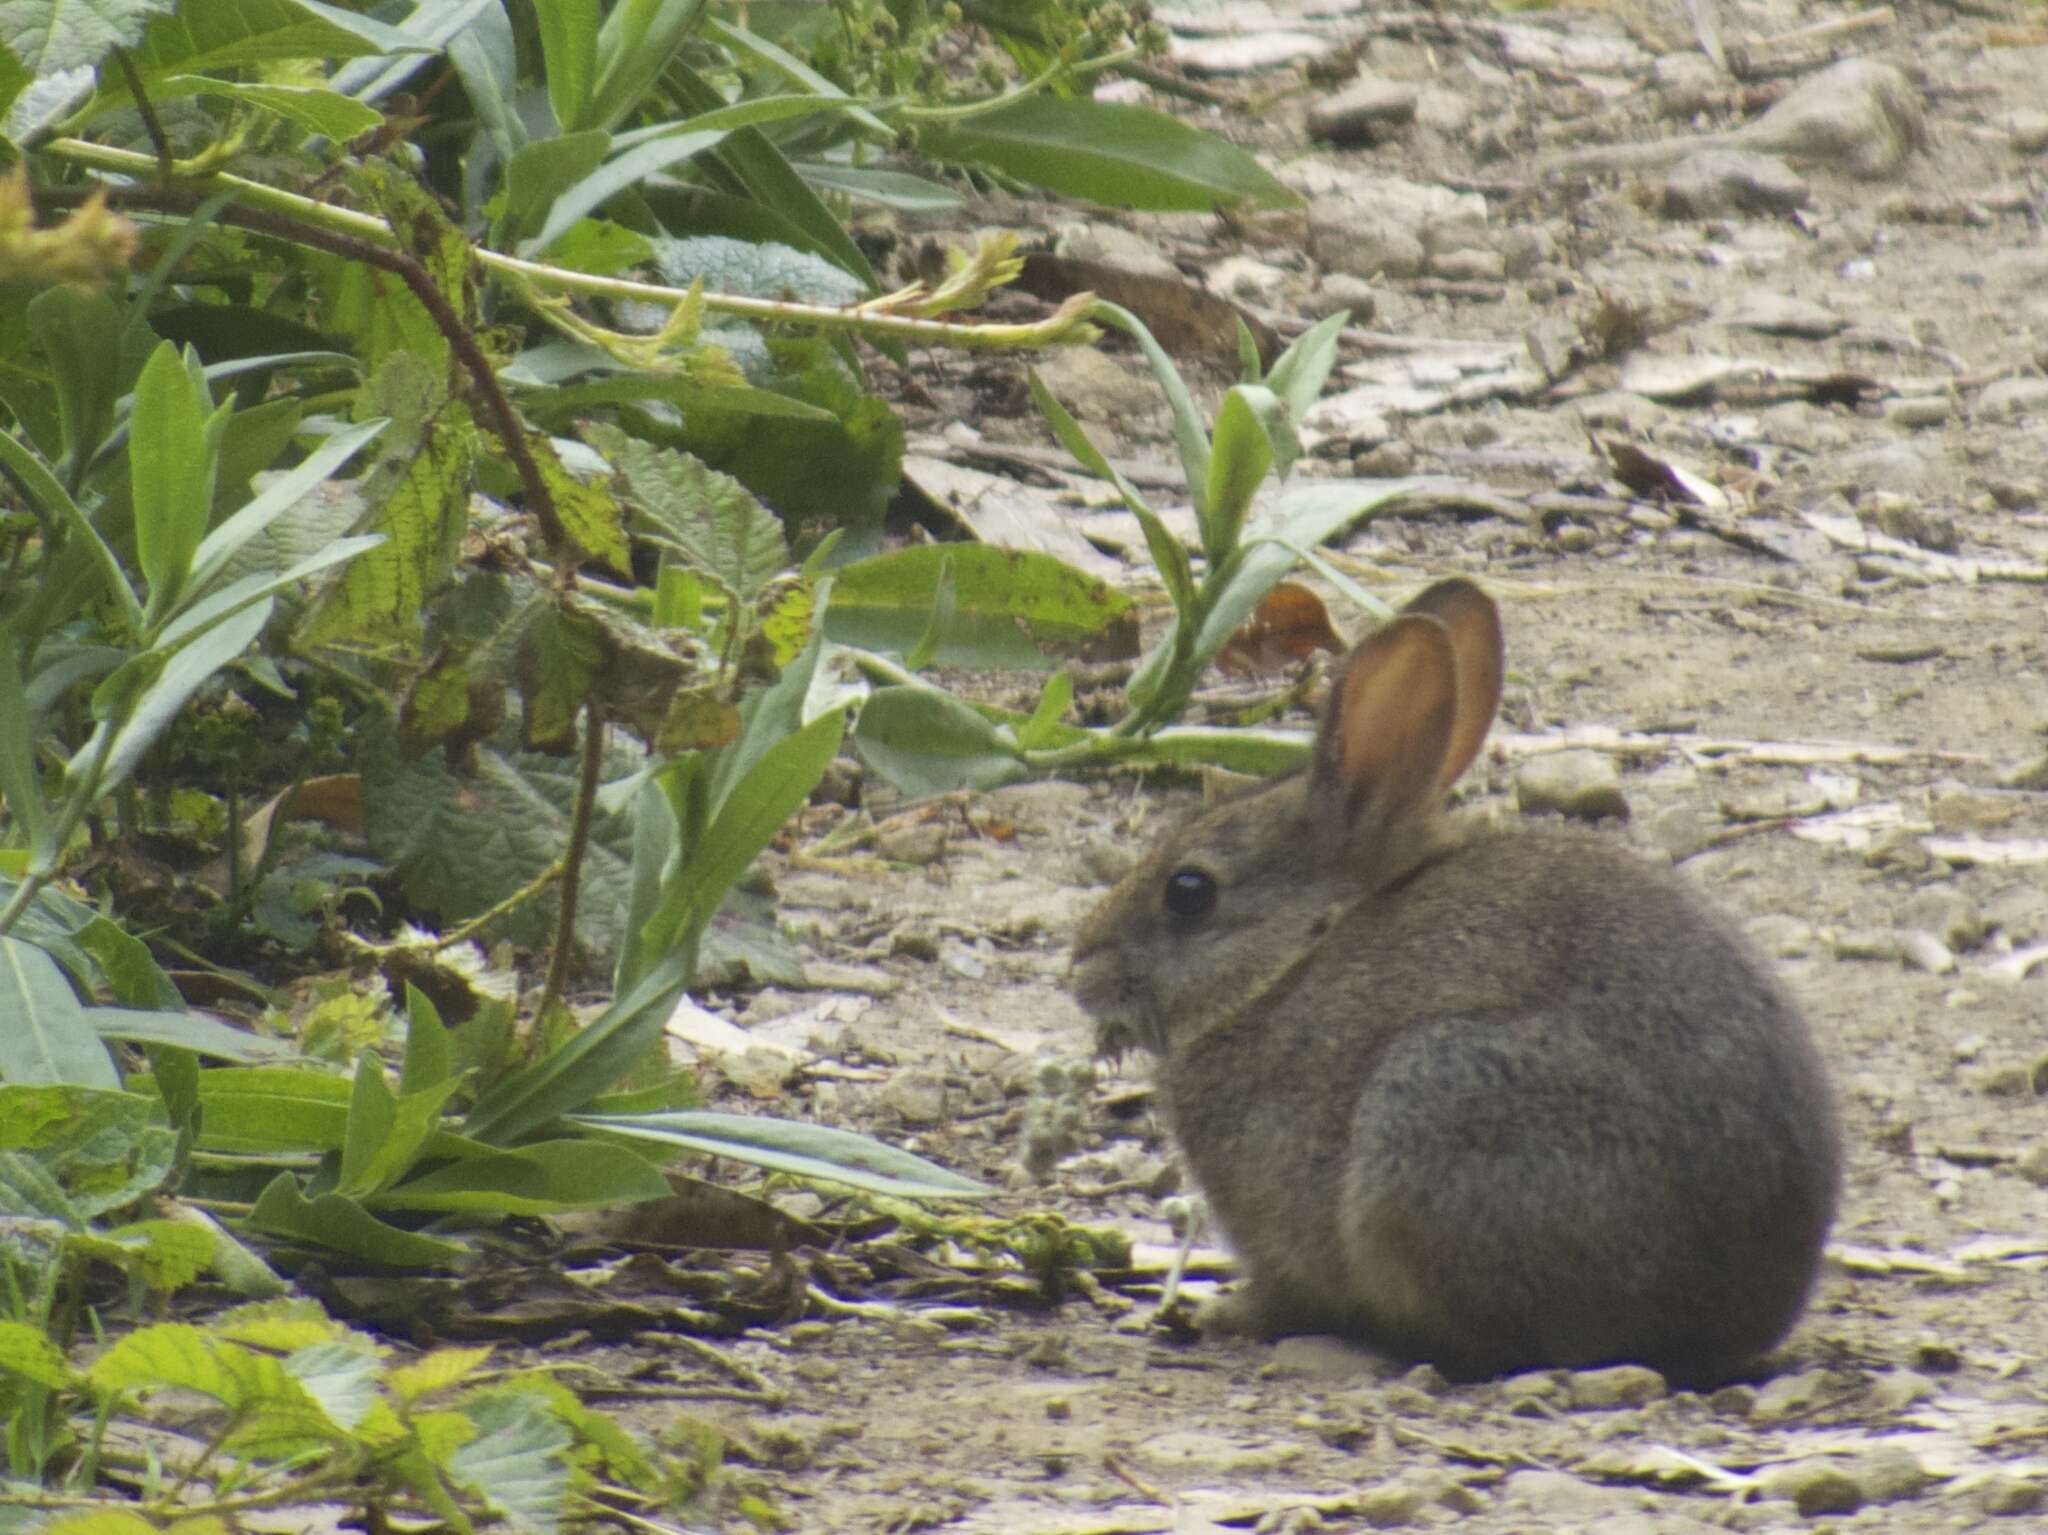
[(1190, 893)]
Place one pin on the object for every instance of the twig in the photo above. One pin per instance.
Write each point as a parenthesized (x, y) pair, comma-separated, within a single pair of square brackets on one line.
[(573, 856)]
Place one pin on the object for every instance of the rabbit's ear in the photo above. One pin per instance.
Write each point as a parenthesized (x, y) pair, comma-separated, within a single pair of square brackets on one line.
[(1474, 626), (1391, 721)]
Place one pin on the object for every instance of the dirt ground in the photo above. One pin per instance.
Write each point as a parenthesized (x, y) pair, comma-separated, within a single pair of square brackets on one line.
[(1897, 877)]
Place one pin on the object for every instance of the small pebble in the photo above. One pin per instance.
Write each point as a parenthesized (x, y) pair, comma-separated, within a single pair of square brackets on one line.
[(1583, 784), (1814, 1487), (1623, 1385)]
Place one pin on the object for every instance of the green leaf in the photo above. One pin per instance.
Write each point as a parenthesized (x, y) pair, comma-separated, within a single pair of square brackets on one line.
[(1012, 608), (312, 107), (568, 48), (894, 190), (1125, 156), (170, 469), (129, 967), (420, 487), (745, 823), (543, 170), (1045, 724), (174, 685), (47, 1036), (634, 47), (710, 520), (544, 1178), (810, 1151), (26, 1353), (341, 1224), (1299, 374), (71, 326), (429, 1058), (185, 1031), (207, 36), (1190, 436), (519, 1463), (279, 496), (21, 784), (1298, 520), (925, 741), (462, 842), (601, 1052), (1240, 458), (385, 1134), (57, 35), (752, 45), (43, 488)]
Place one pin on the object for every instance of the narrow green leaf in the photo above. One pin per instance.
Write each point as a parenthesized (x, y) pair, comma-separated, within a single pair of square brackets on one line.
[(131, 970), (542, 171), (568, 49), (1299, 519), (429, 1059), (371, 1109), (602, 1051), (71, 325), (180, 677), (277, 498), (1045, 725), (42, 488), (811, 1151), (171, 475), (1240, 457), (1125, 156), (752, 45), (544, 1178), (21, 785), (634, 47), (945, 607), (314, 108), (749, 818), (47, 1036), (925, 741), (1300, 372), (1190, 437)]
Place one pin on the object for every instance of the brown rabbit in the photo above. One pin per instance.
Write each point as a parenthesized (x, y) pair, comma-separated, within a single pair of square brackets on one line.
[(1496, 1098)]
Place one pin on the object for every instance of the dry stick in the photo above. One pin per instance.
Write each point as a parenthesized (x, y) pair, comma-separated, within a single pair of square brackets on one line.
[(573, 856)]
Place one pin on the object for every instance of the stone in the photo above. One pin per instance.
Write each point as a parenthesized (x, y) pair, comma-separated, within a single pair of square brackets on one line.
[(1814, 1487), (1367, 111), (1622, 1385), (1719, 183), (1581, 784)]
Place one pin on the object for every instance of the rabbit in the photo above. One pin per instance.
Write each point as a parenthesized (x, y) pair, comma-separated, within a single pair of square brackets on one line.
[(1496, 1098)]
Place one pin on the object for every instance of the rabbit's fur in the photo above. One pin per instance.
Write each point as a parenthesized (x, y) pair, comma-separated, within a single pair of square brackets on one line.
[(1493, 1098)]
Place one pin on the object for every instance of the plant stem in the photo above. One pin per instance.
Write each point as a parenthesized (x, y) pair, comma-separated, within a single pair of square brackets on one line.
[(573, 856)]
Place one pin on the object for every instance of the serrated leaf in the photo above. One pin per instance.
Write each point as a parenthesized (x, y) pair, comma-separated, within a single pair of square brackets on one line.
[(103, 1148), (26, 1353), (1011, 607), (812, 1151), (462, 844), (587, 511), (168, 1254), (519, 1463), (417, 494), (217, 35), (437, 1371), (710, 520), (50, 36), (751, 269), (1109, 152), (340, 1374), (278, 1325)]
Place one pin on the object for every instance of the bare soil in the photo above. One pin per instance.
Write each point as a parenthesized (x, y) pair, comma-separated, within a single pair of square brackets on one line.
[(1914, 1396)]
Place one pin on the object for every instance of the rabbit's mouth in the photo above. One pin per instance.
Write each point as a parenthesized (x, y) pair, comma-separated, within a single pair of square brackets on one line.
[(1120, 1018)]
